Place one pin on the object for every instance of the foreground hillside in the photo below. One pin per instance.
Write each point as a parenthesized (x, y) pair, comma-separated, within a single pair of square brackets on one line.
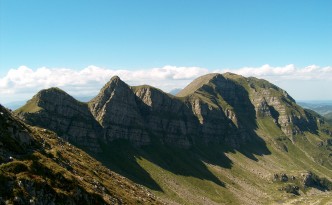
[(38, 167), (224, 139)]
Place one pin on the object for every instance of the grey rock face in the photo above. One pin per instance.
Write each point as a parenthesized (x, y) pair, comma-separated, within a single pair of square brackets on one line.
[(166, 117), (213, 109), (14, 135), (271, 101), (116, 110), (66, 116)]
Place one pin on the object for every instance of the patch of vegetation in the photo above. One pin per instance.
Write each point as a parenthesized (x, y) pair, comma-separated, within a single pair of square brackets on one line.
[(30, 107), (14, 167), (292, 189), (196, 84), (322, 183)]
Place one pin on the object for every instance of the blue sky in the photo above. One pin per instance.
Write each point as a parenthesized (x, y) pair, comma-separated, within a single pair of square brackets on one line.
[(146, 34)]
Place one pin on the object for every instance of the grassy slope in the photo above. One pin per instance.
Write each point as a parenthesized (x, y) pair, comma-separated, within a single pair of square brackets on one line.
[(196, 84), (31, 106), (215, 175), (59, 169)]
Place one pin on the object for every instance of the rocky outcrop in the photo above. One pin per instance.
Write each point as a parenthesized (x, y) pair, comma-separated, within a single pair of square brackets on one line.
[(270, 101), (14, 135), (116, 110), (56, 110), (213, 109), (168, 119), (312, 180)]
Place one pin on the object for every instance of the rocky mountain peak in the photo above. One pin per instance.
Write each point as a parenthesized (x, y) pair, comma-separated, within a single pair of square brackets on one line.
[(50, 98), (114, 85), (215, 80), (115, 77), (115, 90), (115, 80), (56, 110), (151, 96), (213, 108), (52, 90), (116, 110), (197, 84), (54, 96)]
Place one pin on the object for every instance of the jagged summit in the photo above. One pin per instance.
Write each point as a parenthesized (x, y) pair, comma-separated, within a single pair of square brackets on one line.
[(45, 96), (208, 80), (112, 83), (213, 108), (115, 91), (56, 110), (53, 93), (52, 90), (115, 83), (114, 78), (152, 91)]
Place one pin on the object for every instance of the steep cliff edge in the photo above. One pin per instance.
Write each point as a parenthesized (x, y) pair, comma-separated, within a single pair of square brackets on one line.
[(116, 110), (243, 100), (54, 109), (168, 119)]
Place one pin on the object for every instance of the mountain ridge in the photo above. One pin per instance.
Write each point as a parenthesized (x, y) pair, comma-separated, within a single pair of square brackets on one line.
[(120, 111), (213, 127)]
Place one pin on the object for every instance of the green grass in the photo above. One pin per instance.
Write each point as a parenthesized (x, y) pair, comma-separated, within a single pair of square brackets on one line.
[(203, 175), (30, 107), (196, 84)]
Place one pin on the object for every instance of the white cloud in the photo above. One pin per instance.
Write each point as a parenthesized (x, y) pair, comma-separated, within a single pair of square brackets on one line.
[(23, 82), (288, 72)]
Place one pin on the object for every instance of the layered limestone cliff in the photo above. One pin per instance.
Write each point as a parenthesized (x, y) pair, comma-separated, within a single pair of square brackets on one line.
[(117, 112), (214, 108), (168, 119), (14, 135), (56, 110), (271, 101)]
